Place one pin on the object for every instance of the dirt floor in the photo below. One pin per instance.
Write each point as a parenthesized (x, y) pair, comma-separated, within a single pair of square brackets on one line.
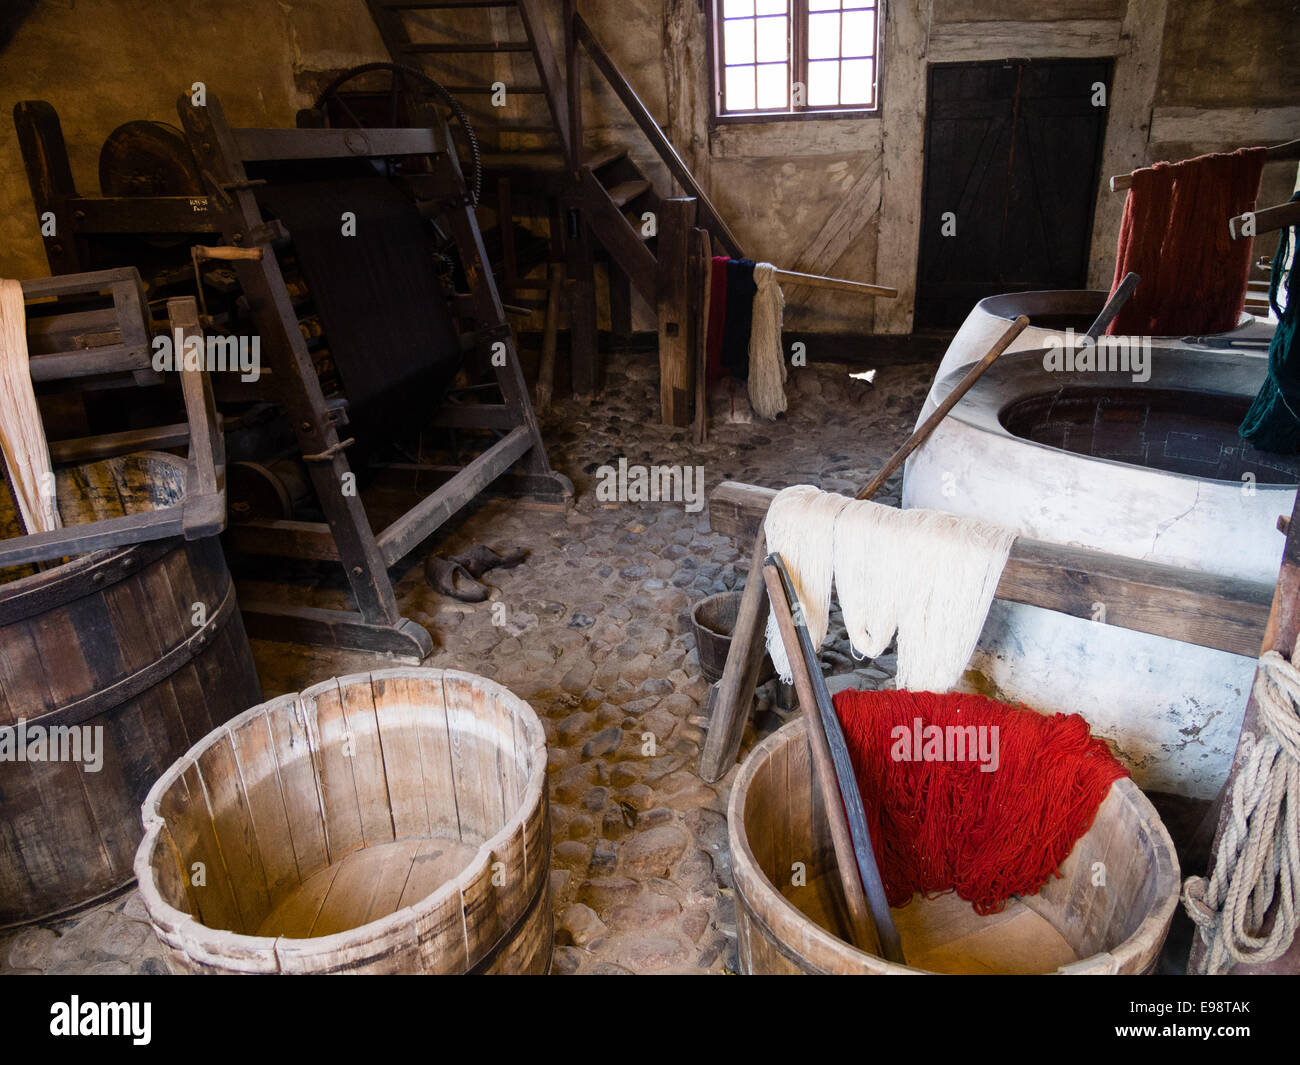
[(593, 631)]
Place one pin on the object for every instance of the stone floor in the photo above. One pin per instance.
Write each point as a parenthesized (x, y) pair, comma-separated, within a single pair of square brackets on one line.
[(592, 630)]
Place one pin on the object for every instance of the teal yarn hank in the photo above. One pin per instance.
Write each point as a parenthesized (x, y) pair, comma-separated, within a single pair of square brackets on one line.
[(1272, 423)]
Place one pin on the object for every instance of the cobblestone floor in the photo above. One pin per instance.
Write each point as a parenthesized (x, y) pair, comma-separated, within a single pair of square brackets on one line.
[(593, 631)]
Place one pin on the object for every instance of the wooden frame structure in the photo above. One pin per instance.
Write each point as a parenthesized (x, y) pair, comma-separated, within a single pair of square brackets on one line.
[(228, 208), (1228, 614), (125, 352), (222, 153)]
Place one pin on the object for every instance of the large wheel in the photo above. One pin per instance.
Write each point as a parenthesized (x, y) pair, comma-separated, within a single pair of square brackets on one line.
[(391, 95)]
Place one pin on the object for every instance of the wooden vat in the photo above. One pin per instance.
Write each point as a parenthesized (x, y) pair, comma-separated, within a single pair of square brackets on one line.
[(1108, 914), (110, 641), (386, 822)]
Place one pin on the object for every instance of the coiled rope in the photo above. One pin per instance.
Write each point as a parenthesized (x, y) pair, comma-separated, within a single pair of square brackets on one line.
[(1258, 858)]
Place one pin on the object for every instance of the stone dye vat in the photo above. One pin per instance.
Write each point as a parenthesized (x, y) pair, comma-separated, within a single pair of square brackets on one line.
[(1150, 470)]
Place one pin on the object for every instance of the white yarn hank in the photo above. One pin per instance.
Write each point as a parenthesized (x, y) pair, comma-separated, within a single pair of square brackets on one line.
[(926, 574), (767, 371), (800, 527), (22, 434)]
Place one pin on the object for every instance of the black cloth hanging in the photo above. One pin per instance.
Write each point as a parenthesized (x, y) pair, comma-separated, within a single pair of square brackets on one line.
[(740, 317)]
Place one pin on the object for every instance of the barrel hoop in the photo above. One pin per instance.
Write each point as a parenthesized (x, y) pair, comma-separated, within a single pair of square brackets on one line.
[(774, 941), (143, 679), (88, 575), (485, 963)]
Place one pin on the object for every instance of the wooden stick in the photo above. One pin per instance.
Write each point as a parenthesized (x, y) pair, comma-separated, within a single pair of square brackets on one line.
[(226, 252), (791, 277), (1279, 152), (871, 924), (731, 697), (951, 400), (1113, 305), (1264, 221), (546, 368)]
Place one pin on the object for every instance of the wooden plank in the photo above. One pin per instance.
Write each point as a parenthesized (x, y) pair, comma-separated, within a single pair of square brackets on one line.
[(1227, 614), (972, 41), (400, 538), (143, 214), (258, 145), (676, 323)]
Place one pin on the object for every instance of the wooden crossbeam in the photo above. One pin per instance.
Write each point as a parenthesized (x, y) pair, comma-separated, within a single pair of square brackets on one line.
[(1224, 613)]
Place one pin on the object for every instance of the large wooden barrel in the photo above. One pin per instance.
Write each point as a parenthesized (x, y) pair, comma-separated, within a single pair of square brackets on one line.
[(387, 822), (123, 657), (1108, 913)]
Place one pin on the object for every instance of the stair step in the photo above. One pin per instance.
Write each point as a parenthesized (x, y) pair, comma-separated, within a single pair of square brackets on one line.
[(603, 158), (457, 49), (626, 191)]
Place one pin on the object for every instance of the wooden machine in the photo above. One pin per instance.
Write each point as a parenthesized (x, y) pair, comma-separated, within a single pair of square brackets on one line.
[(396, 360)]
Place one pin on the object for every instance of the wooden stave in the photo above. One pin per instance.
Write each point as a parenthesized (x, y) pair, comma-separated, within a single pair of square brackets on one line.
[(142, 733), (499, 931), (774, 938)]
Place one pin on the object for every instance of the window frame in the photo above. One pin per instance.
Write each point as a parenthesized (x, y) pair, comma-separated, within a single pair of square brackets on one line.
[(798, 64)]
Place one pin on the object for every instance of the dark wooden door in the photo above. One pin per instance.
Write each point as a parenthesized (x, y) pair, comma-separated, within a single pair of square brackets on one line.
[(1013, 151)]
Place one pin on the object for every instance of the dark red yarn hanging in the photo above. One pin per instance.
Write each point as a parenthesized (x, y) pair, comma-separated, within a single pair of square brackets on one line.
[(945, 825), (1174, 234)]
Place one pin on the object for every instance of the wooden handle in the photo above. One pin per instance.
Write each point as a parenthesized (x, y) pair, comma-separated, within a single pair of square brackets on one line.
[(226, 252), (951, 400), (1113, 305), (792, 277), (1265, 220), (871, 924)]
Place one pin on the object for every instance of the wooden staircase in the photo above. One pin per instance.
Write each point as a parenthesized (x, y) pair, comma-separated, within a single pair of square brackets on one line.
[(534, 148)]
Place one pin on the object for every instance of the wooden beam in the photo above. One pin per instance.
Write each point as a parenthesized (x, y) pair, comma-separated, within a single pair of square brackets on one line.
[(1224, 613), (257, 145), (676, 323), (425, 517)]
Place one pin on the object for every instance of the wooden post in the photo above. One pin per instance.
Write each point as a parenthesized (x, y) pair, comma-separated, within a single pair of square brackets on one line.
[(581, 285), (701, 290), (546, 370), (676, 328), (1280, 634)]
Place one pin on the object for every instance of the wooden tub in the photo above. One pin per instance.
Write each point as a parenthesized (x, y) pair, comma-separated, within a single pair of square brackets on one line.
[(1074, 924), (387, 822), (109, 642)]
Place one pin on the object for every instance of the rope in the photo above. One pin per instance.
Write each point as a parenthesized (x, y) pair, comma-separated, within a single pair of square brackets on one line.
[(1258, 858)]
